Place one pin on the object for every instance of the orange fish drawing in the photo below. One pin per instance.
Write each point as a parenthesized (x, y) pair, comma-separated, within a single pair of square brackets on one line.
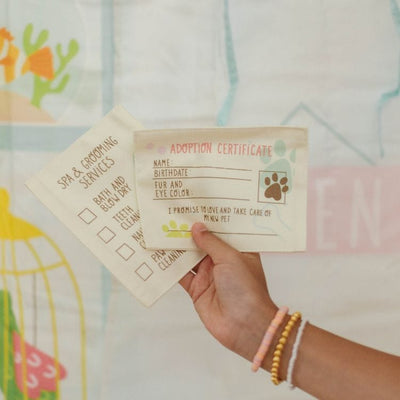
[(15, 64)]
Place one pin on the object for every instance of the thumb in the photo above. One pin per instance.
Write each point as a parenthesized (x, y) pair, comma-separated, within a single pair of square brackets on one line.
[(217, 249)]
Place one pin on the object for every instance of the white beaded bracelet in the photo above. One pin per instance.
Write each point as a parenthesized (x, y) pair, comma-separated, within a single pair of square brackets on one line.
[(294, 353)]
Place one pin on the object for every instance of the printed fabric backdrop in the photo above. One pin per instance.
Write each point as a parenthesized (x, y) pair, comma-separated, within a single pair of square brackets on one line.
[(69, 331)]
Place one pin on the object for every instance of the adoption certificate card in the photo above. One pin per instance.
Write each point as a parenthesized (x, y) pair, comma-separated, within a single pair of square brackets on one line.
[(248, 185), (90, 187)]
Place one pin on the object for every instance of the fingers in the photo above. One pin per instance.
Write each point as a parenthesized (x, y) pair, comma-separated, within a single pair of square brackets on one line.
[(216, 248), (193, 281), (186, 281)]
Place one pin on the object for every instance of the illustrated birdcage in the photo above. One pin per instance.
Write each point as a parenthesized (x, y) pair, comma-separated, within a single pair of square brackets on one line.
[(42, 326)]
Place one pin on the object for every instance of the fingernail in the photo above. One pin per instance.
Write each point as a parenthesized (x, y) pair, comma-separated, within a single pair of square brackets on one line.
[(200, 227)]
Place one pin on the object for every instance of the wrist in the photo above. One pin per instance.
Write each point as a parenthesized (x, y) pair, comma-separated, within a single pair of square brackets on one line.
[(252, 331), (285, 352)]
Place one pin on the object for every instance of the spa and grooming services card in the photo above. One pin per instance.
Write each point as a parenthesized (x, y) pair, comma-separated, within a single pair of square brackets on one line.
[(248, 185), (90, 188)]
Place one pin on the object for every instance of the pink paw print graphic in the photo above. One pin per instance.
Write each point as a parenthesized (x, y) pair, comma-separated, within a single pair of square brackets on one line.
[(160, 150), (41, 370)]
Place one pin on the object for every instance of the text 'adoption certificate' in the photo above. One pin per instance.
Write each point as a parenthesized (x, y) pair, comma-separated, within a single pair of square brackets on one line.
[(90, 188), (248, 185)]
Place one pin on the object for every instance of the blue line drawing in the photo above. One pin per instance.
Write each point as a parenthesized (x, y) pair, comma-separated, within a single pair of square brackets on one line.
[(320, 120), (395, 14), (224, 112), (108, 51), (387, 96)]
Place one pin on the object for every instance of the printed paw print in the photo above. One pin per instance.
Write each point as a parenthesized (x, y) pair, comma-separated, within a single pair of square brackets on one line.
[(282, 160), (275, 188), (172, 230)]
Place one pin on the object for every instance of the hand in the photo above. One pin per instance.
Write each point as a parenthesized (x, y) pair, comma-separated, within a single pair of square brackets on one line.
[(230, 294)]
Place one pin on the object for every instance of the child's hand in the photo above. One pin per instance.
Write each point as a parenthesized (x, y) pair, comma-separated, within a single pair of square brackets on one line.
[(230, 294)]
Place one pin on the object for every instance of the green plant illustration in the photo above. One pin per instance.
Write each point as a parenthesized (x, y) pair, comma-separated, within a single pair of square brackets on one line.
[(42, 86), (29, 47), (8, 325), (173, 231)]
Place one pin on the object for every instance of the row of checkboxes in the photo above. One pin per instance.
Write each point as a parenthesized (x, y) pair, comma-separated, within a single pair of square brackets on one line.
[(124, 251)]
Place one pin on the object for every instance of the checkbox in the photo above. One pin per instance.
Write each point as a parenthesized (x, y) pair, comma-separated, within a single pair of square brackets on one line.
[(144, 271), (106, 234), (125, 251), (87, 216)]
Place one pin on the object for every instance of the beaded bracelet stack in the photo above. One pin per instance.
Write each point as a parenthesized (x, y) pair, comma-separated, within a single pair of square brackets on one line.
[(278, 351), (276, 358), (269, 335)]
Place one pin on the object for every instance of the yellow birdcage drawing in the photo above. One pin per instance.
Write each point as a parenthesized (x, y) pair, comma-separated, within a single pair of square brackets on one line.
[(36, 355)]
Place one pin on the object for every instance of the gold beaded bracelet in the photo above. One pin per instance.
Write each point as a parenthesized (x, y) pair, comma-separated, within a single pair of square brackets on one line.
[(276, 358)]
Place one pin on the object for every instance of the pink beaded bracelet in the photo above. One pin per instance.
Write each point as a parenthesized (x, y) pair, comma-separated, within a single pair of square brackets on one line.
[(267, 340)]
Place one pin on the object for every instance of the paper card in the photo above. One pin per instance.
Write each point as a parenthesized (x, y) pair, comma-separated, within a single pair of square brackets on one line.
[(90, 188), (248, 185)]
